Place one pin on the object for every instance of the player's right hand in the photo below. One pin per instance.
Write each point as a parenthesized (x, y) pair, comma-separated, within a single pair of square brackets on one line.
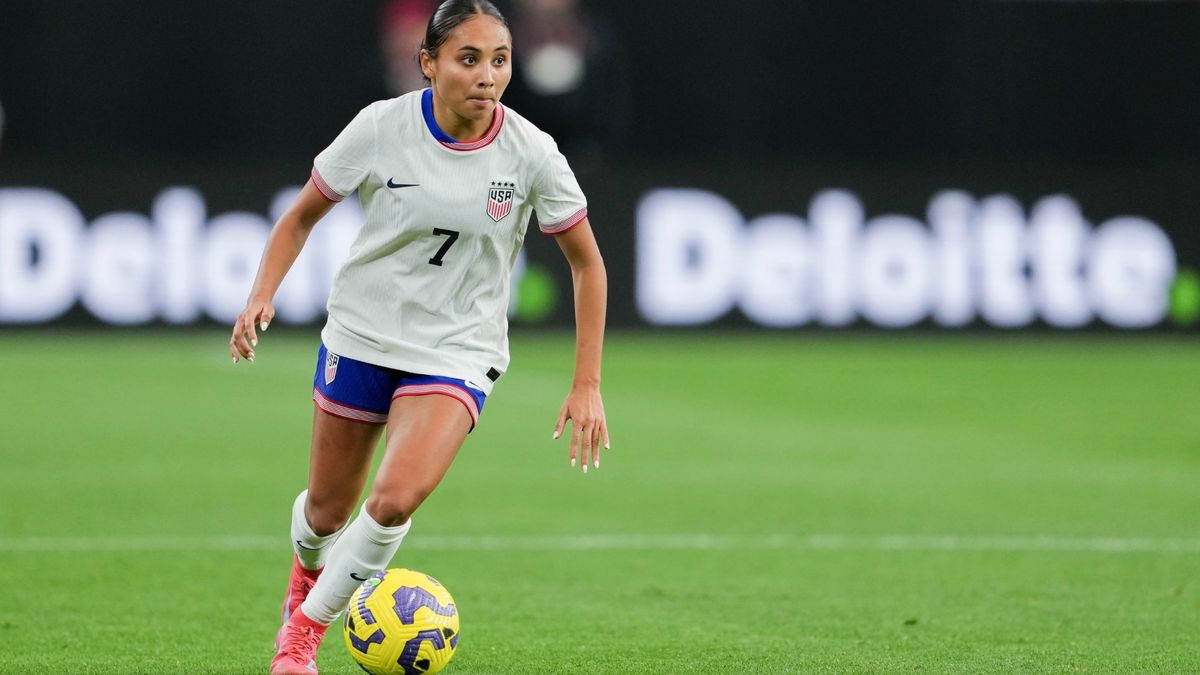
[(245, 338)]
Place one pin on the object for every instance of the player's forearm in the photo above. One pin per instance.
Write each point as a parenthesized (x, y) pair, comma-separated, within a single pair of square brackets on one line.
[(283, 247), (591, 302)]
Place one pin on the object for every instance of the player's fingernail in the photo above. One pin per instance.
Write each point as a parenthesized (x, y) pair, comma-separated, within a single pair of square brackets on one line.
[(554, 435), (585, 467), (263, 325), (254, 343), (597, 463), (250, 358), (235, 360)]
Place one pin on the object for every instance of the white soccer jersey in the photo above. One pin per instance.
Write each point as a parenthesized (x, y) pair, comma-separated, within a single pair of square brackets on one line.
[(425, 287)]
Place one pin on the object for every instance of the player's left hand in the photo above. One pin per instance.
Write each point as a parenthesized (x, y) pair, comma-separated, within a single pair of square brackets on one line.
[(245, 338), (585, 409)]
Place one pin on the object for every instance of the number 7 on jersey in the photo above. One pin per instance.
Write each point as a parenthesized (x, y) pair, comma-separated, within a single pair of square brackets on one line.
[(453, 237)]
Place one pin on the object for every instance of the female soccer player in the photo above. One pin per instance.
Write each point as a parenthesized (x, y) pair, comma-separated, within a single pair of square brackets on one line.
[(417, 332)]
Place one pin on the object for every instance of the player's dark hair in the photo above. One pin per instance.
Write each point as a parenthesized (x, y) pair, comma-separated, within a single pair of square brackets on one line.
[(449, 15)]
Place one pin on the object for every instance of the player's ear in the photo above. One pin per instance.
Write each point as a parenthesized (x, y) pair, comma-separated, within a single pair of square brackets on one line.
[(426, 63)]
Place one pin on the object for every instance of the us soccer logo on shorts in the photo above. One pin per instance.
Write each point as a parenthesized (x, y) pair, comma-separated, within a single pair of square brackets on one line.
[(331, 362), (500, 200)]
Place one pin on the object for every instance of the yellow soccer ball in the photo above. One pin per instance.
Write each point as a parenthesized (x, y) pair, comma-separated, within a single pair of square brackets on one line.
[(401, 622)]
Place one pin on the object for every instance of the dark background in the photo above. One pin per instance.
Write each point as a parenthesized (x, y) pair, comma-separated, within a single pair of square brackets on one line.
[(819, 81), (763, 101)]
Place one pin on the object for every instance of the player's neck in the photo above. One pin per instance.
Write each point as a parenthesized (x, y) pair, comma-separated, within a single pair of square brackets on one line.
[(460, 128)]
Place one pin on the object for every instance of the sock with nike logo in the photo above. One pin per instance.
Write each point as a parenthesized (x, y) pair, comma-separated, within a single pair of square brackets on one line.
[(365, 547), (310, 547)]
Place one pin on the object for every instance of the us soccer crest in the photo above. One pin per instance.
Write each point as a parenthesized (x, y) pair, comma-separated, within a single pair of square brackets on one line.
[(331, 362), (500, 199)]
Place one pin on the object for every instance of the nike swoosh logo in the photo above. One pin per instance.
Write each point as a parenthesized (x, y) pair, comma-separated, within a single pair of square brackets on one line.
[(357, 578), (400, 185), (306, 548)]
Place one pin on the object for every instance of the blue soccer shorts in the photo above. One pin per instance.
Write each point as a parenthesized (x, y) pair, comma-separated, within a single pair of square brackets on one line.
[(364, 392)]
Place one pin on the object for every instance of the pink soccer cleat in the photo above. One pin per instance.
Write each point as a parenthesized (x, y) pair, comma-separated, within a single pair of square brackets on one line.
[(300, 583), (298, 642)]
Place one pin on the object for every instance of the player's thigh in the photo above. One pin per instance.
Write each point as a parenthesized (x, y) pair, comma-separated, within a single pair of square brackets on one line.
[(424, 435), (339, 462)]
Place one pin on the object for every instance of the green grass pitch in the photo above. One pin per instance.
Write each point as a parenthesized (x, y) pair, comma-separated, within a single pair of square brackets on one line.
[(786, 503)]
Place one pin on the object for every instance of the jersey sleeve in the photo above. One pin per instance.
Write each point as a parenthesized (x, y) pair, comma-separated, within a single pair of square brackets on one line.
[(342, 167), (557, 199)]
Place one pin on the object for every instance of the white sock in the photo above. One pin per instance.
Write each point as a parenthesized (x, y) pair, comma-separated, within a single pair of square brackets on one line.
[(310, 547), (366, 547)]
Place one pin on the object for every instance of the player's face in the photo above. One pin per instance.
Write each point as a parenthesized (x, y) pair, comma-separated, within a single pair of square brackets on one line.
[(471, 72)]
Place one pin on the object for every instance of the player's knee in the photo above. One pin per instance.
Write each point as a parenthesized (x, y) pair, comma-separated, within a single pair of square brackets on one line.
[(326, 519), (394, 507)]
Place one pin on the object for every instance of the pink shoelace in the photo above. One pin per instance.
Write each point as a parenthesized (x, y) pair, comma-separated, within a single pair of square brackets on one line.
[(306, 585), (300, 642), (303, 587)]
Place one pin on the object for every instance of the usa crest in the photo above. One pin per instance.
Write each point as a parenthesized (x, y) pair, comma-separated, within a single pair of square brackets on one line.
[(331, 362), (500, 199)]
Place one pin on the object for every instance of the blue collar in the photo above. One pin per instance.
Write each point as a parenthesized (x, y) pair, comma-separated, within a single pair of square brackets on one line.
[(427, 111)]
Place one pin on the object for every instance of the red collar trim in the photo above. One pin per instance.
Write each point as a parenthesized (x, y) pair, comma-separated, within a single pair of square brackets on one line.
[(486, 139)]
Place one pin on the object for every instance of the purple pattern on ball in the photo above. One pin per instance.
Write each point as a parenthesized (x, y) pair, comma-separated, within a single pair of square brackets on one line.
[(410, 598), (363, 645), (408, 657), (367, 617)]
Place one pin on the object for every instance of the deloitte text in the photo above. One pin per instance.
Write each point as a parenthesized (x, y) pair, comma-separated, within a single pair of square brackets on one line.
[(984, 259), (176, 265)]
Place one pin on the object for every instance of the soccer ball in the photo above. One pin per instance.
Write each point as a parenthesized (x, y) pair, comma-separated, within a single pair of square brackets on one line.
[(401, 622)]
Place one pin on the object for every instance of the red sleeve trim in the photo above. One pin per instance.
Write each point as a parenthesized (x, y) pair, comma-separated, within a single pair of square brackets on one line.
[(564, 225), (324, 188)]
